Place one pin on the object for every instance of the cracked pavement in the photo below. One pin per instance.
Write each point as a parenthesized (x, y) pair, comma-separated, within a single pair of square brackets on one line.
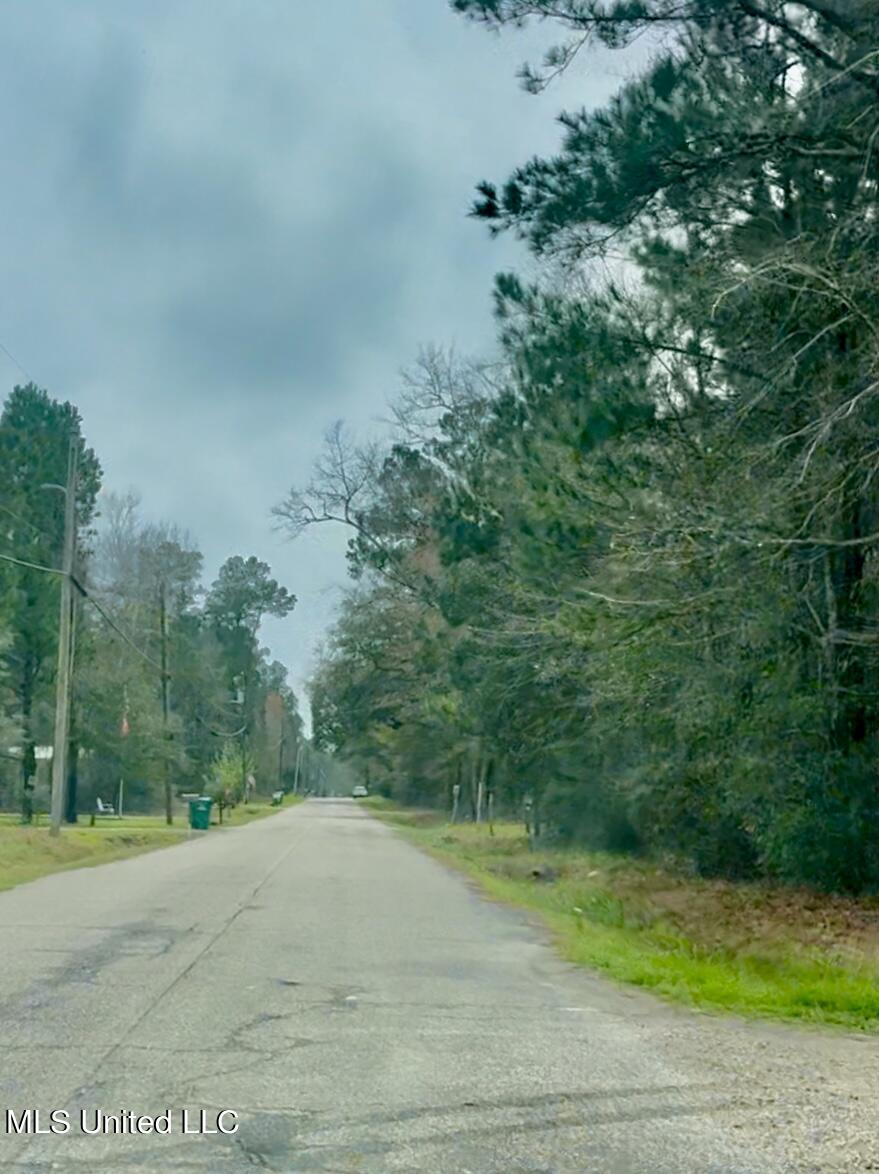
[(363, 1009)]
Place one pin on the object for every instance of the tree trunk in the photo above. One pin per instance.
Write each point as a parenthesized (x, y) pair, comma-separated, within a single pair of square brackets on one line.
[(70, 811), (456, 791), (850, 719), (486, 798), (532, 821), (28, 770)]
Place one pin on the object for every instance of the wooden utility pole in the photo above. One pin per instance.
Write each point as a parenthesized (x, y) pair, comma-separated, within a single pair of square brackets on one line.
[(62, 687), (243, 694), (163, 618), (71, 798), (299, 750)]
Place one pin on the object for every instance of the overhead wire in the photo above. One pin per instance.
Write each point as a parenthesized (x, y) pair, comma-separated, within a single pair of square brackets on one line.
[(99, 608), (20, 562), (221, 733), (9, 355), (84, 592), (24, 521)]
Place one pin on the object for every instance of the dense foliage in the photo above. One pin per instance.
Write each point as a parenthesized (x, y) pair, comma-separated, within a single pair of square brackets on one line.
[(171, 689), (627, 572)]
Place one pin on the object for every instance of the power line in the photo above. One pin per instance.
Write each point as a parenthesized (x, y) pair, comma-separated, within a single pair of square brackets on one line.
[(86, 594), (20, 562), (67, 573), (221, 733), (54, 571), (112, 623), (8, 353), (24, 521)]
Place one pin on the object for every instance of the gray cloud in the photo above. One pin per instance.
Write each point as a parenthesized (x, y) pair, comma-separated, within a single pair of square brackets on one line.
[(228, 224)]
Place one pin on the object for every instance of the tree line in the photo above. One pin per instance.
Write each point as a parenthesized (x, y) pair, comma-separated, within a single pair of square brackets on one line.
[(172, 691), (623, 574)]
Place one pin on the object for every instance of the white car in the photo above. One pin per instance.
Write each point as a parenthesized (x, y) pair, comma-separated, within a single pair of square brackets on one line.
[(359, 792)]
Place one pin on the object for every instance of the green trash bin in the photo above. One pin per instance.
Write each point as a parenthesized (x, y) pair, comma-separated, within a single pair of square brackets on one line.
[(200, 813)]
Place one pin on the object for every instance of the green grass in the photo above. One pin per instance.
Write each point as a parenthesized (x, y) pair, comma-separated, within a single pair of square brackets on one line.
[(750, 950), (27, 853), (107, 823)]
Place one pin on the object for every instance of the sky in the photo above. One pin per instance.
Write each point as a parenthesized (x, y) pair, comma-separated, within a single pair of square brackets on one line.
[(229, 223)]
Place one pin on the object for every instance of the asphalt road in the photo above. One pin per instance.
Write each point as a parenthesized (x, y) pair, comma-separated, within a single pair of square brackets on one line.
[(362, 1009)]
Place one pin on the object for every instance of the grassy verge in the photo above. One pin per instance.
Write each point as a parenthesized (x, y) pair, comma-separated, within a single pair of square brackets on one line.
[(247, 813), (27, 853), (748, 949)]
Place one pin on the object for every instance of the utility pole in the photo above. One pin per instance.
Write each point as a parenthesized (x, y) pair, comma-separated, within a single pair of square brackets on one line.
[(299, 750), (72, 785), (242, 701), (163, 622), (62, 687)]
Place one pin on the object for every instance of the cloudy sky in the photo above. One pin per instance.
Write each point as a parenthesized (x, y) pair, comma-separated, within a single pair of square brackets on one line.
[(228, 223)]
